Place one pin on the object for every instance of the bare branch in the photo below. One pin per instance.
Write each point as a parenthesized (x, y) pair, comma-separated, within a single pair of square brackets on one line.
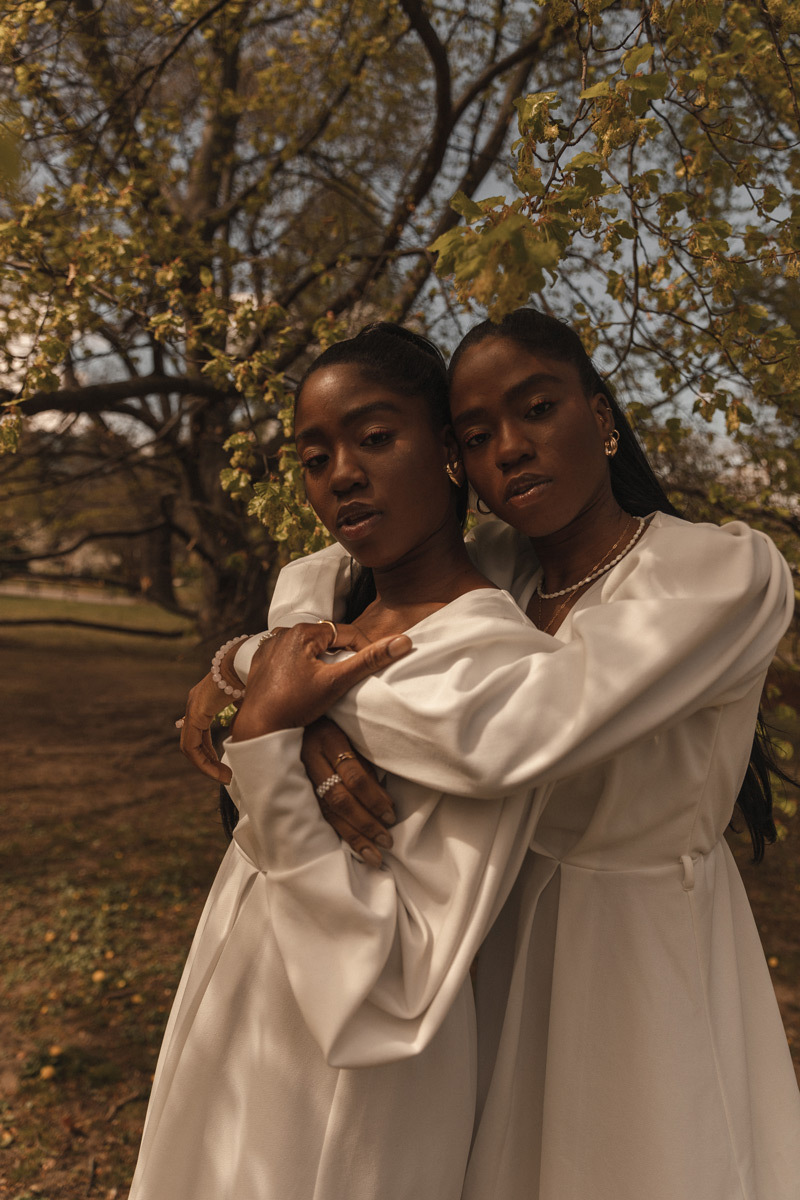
[(102, 397)]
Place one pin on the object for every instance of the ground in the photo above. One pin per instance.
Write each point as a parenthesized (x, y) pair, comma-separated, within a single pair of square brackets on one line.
[(109, 842)]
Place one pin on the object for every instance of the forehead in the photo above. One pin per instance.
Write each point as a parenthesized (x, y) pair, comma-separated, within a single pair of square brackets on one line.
[(495, 368), (334, 394)]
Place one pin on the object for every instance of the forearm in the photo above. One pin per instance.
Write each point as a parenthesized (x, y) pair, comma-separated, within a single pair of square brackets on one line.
[(375, 958)]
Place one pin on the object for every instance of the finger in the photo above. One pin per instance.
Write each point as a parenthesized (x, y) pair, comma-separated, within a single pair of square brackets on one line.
[(355, 840), (343, 804), (362, 784), (349, 637), (326, 750), (197, 746), (366, 662)]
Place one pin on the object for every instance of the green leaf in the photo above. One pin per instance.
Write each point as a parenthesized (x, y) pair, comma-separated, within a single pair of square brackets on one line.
[(636, 57), (466, 208), (586, 158), (651, 86), (597, 91)]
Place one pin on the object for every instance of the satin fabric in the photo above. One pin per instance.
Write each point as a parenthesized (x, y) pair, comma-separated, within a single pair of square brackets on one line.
[(629, 1043)]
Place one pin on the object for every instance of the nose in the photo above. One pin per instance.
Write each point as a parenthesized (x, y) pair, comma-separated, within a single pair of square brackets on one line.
[(511, 446), (347, 472)]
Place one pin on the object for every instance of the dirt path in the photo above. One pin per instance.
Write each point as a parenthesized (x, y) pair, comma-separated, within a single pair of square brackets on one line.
[(108, 844)]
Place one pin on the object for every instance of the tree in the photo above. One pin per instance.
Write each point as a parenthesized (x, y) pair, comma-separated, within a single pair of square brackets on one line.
[(654, 201), (211, 188)]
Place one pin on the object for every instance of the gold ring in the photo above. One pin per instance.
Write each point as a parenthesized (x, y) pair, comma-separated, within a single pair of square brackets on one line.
[(333, 627), (266, 636), (341, 757)]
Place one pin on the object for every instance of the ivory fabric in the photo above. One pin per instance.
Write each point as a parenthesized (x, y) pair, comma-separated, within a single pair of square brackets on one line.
[(629, 1043), (322, 1043)]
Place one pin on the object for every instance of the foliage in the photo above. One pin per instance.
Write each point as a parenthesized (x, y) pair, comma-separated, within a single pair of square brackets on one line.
[(656, 196), (211, 189), (209, 186)]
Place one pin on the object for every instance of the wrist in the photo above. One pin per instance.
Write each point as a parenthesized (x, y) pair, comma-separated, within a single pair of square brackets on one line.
[(222, 671), (252, 723)]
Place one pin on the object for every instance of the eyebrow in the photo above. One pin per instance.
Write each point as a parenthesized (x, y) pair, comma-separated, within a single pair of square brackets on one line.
[(312, 433), (515, 392)]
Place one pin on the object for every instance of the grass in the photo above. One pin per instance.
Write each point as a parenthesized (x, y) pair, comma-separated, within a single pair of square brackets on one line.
[(134, 614), (108, 844)]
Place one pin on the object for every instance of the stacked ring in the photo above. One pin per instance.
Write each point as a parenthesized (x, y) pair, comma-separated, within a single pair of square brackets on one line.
[(327, 784)]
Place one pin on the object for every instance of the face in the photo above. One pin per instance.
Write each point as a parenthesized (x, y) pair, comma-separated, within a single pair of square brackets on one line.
[(374, 466), (531, 440)]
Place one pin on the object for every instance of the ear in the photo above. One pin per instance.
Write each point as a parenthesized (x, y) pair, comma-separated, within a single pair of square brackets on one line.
[(602, 413), (453, 454)]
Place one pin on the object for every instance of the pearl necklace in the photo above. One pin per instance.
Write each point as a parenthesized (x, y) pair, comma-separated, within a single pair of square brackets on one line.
[(597, 570)]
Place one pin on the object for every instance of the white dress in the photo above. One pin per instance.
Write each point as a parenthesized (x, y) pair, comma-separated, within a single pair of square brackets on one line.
[(630, 1046), (322, 1043)]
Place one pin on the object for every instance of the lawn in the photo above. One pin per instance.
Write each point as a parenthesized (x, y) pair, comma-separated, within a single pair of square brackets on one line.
[(109, 842)]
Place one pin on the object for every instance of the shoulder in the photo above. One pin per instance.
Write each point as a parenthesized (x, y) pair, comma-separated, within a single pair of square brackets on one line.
[(501, 553), (677, 557), (313, 586), (476, 633)]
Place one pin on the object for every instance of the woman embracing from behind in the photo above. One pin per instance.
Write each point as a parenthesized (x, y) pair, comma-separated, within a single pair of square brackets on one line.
[(629, 1039)]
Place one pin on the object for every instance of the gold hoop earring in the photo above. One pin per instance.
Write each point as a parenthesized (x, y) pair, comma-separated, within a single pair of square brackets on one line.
[(451, 473), (611, 444), (486, 511)]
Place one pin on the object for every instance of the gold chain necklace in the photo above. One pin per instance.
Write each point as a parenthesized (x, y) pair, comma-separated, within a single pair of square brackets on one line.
[(570, 593)]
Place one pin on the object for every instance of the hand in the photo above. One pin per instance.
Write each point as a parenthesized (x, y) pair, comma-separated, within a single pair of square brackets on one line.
[(203, 703), (289, 686), (352, 806)]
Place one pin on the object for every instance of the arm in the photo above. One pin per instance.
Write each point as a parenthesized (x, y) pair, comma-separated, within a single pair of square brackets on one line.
[(375, 958), (689, 621), (307, 590)]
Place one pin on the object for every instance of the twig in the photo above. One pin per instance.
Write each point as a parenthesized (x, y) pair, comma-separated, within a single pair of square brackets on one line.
[(142, 1094)]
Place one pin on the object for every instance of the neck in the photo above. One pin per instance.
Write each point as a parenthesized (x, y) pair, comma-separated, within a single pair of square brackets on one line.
[(573, 551), (432, 574)]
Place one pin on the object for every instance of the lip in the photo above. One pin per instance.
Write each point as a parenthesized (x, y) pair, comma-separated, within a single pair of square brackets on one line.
[(355, 521), (524, 488)]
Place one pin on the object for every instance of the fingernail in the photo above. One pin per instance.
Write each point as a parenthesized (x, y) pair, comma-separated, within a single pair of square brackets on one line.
[(388, 818), (399, 645), (383, 839), (371, 856)]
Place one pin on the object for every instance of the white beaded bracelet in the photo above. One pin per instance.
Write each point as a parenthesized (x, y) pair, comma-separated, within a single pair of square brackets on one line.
[(216, 674)]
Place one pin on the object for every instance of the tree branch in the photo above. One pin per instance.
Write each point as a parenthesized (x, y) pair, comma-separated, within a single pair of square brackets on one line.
[(101, 397)]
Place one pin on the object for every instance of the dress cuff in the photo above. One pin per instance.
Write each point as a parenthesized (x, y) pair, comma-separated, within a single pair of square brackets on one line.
[(281, 826)]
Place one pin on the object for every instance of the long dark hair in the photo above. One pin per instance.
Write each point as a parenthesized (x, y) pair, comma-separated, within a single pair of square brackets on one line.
[(638, 491), (410, 365)]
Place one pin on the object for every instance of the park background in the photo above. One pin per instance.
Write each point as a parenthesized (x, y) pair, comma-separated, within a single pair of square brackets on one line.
[(196, 197)]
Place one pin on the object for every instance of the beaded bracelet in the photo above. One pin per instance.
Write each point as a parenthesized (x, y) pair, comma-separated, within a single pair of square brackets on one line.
[(216, 674)]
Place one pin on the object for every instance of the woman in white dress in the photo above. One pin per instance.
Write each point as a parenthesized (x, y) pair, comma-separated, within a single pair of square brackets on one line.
[(629, 1040), (322, 1041)]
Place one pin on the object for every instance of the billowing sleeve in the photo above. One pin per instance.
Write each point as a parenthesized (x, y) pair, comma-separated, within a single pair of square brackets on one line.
[(313, 588), (375, 958), (316, 587), (690, 620)]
